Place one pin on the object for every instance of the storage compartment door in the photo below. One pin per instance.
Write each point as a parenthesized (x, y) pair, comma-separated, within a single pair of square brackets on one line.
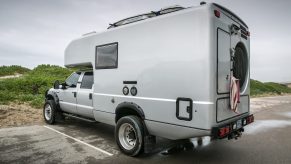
[(223, 61)]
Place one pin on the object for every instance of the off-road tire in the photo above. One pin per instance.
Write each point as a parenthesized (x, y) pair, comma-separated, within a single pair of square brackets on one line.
[(136, 123), (53, 107)]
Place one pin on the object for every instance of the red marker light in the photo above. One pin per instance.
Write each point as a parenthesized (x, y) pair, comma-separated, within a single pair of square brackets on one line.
[(221, 132), (217, 13)]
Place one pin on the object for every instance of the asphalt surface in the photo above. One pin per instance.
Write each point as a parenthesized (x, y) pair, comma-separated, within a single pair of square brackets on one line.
[(268, 140)]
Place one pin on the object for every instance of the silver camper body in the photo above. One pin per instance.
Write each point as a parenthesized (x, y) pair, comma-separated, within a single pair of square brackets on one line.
[(184, 54), (172, 70)]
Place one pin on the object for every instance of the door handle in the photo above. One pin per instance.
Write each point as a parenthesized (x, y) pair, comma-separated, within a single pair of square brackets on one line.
[(90, 96), (75, 94)]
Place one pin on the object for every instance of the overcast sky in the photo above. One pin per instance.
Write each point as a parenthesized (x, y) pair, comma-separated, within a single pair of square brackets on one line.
[(36, 32)]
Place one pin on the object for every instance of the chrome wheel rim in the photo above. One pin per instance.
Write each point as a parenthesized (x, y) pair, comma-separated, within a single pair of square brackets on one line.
[(47, 112), (127, 136)]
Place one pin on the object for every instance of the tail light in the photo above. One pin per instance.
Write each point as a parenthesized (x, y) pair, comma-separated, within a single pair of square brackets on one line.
[(224, 131), (233, 127), (250, 119), (217, 13)]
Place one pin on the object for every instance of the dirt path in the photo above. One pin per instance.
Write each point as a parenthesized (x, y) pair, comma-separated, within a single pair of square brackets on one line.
[(19, 114), (10, 76)]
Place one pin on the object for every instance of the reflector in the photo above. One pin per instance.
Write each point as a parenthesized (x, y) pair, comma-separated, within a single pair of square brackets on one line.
[(217, 13)]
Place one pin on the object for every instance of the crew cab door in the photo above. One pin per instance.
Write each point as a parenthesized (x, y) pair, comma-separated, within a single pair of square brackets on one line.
[(68, 95), (84, 96)]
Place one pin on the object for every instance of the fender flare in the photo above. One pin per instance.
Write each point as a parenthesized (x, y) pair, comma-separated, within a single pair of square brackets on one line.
[(125, 106), (53, 96)]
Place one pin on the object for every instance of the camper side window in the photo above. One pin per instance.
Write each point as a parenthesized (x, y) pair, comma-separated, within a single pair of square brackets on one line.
[(106, 56)]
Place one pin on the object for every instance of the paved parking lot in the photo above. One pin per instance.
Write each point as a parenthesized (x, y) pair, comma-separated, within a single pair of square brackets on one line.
[(268, 140)]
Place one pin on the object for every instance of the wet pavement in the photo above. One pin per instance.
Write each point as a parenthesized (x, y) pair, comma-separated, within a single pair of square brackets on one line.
[(267, 140)]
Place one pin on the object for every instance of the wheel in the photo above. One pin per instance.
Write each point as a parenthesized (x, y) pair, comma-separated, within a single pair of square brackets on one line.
[(129, 135), (49, 111)]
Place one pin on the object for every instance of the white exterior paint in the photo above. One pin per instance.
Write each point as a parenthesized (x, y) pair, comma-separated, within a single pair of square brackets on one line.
[(170, 56)]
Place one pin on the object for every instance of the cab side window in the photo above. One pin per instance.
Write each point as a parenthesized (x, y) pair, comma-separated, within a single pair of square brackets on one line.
[(87, 80), (73, 79)]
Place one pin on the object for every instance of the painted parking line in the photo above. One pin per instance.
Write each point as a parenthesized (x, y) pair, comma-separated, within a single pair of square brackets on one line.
[(96, 148)]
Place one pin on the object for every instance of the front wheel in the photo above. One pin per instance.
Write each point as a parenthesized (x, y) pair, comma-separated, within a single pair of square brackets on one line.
[(49, 112), (129, 135)]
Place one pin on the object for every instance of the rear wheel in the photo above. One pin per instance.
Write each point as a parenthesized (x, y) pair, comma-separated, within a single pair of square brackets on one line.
[(49, 112), (129, 135)]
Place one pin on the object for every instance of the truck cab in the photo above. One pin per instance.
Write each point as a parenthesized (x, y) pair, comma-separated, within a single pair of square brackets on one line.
[(75, 95)]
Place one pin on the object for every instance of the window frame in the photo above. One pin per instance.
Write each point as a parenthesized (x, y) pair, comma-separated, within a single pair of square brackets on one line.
[(106, 67), (83, 79)]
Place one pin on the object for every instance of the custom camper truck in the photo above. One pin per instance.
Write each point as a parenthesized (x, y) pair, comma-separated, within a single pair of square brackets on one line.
[(176, 73)]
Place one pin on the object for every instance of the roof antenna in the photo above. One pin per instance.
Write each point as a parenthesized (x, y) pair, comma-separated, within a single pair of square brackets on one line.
[(202, 3)]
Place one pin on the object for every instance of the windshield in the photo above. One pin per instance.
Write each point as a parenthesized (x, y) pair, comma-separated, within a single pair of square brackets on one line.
[(73, 79)]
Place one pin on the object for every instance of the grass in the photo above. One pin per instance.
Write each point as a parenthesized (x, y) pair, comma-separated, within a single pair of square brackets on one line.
[(12, 70), (270, 88), (32, 85)]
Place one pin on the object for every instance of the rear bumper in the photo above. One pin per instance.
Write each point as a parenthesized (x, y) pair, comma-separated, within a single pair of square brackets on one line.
[(232, 129)]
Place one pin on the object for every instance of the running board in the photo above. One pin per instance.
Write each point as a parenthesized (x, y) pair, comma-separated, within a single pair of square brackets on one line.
[(78, 117)]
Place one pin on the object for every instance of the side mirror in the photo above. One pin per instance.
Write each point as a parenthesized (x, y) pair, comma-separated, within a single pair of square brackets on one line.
[(64, 85), (57, 84)]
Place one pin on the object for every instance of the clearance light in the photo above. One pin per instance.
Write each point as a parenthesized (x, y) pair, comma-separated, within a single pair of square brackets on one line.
[(217, 13)]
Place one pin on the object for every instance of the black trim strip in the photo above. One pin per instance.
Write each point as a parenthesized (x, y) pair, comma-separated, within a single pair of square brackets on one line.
[(178, 125), (129, 82), (103, 111), (243, 28), (243, 36), (235, 115)]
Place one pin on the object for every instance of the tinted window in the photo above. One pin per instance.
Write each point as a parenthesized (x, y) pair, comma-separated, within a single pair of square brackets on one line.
[(106, 56), (87, 80), (73, 79)]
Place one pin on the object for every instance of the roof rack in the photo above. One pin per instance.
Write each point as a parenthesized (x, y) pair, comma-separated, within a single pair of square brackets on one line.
[(146, 16)]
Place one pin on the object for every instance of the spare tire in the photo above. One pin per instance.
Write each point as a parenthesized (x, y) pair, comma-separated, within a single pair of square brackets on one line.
[(240, 64)]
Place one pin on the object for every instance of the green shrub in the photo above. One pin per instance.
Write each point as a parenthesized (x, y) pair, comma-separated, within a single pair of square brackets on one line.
[(12, 70), (37, 102), (259, 88), (31, 86)]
